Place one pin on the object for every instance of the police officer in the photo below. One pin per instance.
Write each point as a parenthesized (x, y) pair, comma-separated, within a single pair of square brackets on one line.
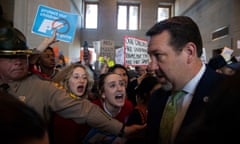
[(43, 95)]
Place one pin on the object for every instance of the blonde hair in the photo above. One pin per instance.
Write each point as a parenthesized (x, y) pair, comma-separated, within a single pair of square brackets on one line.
[(64, 75)]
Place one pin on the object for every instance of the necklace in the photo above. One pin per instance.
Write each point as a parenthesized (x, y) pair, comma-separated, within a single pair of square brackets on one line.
[(107, 111)]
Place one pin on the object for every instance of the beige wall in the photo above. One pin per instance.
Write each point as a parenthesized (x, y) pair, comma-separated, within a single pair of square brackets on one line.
[(209, 15), (108, 23), (25, 11), (24, 14)]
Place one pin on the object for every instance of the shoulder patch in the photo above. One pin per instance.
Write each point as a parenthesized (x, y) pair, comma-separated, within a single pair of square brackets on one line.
[(58, 85), (42, 76)]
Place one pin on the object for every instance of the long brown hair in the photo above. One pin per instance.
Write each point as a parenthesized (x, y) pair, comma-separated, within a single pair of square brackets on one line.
[(64, 75)]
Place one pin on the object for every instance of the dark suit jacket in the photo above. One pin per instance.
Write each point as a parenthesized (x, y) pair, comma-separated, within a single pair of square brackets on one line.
[(209, 81)]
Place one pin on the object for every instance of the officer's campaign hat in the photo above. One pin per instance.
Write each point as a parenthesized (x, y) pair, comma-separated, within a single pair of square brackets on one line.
[(12, 42)]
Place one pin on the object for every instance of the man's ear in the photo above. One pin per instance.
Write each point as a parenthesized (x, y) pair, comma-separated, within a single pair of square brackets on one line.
[(191, 51), (190, 48)]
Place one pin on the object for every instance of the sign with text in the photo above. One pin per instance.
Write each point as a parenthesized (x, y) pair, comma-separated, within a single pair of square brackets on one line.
[(48, 19), (227, 53), (119, 56), (107, 49), (135, 50)]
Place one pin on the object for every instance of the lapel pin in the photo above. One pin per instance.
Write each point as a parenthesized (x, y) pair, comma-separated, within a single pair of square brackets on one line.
[(205, 99)]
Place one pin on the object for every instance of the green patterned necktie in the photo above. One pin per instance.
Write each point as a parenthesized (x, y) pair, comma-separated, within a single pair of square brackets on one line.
[(167, 120)]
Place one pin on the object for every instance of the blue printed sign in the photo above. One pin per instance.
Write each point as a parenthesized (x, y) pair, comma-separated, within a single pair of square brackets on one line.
[(48, 19)]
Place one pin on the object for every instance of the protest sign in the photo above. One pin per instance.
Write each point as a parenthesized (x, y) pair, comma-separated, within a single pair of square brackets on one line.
[(105, 48), (48, 19), (119, 57), (135, 50), (227, 53)]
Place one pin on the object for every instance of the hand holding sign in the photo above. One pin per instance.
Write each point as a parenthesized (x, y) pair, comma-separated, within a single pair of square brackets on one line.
[(47, 41)]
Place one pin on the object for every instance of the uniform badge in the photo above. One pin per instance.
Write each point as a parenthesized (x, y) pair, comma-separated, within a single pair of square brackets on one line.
[(58, 85), (205, 99)]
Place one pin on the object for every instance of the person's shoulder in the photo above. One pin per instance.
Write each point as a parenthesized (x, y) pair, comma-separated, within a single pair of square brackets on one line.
[(128, 106), (45, 82), (161, 92), (97, 102), (30, 80), (211, 76), (128, 103), (159, 97), (57, 70), (32, 76), (40, 75)]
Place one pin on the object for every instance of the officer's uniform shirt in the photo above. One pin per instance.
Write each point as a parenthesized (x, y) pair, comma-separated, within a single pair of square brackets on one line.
[(45, 96)]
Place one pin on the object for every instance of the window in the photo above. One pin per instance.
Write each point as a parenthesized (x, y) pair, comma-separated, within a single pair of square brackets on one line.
[(164, 12), (128, 16), (91, 15)]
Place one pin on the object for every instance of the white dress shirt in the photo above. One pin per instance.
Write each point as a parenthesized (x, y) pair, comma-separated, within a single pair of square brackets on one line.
[(185, 101)]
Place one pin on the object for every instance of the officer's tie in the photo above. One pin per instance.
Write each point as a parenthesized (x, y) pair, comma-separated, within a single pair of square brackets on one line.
[(167, 120)]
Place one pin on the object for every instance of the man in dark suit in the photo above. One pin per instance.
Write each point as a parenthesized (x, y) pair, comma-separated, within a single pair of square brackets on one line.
[(175, 48)]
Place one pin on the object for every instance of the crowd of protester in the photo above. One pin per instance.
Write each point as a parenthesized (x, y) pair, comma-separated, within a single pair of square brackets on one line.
[(73, 105)]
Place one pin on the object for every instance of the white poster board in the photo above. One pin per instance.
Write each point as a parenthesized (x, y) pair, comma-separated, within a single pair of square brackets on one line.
[(135, 51), (227, 53), (119, 57)]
